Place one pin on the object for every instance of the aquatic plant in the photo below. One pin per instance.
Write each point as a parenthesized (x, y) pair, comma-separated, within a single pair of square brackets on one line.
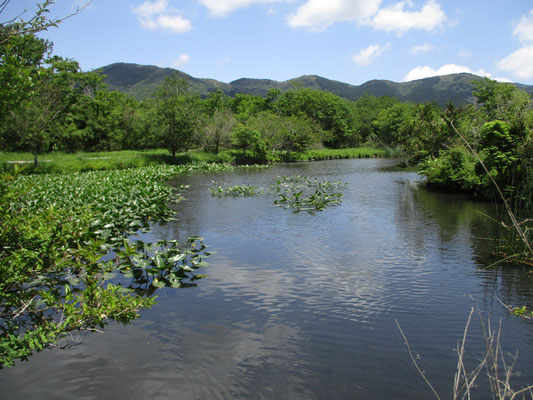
[(66, 263), (236, 190), (499, 368), (297, 192), (303, 194)]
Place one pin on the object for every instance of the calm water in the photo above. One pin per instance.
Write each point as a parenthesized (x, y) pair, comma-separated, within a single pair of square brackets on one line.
[(301, 306)]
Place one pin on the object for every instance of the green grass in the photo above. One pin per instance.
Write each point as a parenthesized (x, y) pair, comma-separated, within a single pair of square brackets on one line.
[(330, 154), (66, 163)]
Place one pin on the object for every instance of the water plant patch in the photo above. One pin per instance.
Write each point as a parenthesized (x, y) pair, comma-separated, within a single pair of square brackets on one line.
[(296, 192), (66, 260)]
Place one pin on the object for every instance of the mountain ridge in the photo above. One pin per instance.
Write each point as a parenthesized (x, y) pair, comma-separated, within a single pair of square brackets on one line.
[(141, 81)]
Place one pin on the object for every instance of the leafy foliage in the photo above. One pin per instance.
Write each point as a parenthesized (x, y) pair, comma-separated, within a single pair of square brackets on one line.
[(295, 192), (57, 274)]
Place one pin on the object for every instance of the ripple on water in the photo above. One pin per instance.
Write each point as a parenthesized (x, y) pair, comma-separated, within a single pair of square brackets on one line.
[(301, 306)]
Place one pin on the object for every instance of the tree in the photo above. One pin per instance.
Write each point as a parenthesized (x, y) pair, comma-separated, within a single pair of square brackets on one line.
[(291, 133), (425, 134), (499, 150), (177, 114), (391, 121), (21, 58), (217, 132), (327, 110), (51, 97), (38, 22), (501, 101), (245, 138)]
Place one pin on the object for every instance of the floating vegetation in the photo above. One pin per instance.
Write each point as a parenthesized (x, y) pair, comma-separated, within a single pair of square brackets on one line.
[(237, 190), (254, 166), (297, 192), (303, 194), (164, 264), (67, 262)]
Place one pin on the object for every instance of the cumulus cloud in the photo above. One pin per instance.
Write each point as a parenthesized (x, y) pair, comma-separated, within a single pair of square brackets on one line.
[(396, 19), (317, 15), (520, 63), (367, 56), (426, 72), (158, 15), (221, 8), (181, 61), (421, 49), (524, 29)]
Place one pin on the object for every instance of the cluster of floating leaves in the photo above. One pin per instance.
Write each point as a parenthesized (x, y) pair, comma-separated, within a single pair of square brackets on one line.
[(236, 190), (122, 202), (296, 192), (304, 194)]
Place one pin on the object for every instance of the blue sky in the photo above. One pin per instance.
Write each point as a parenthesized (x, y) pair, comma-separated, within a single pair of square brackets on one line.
[(351, 41)]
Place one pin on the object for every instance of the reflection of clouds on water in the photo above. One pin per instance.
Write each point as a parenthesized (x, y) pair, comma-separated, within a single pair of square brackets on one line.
[(296, 306)]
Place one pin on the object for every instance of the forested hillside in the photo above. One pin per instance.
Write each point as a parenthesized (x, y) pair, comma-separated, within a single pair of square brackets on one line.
[(140, 81)]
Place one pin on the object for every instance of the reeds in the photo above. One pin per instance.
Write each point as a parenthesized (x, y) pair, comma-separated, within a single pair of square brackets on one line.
[(498, 367)]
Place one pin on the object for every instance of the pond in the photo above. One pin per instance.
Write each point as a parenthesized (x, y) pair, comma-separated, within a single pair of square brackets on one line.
[(303, 306)]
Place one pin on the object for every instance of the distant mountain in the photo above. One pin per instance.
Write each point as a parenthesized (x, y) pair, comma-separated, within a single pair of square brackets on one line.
[(141, 81)]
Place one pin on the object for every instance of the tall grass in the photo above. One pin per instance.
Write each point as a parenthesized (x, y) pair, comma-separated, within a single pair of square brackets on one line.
[(498, 368), (332, 154)]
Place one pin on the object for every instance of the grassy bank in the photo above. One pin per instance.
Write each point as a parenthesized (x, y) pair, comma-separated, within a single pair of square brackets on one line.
[(65, 163), (58, 162)]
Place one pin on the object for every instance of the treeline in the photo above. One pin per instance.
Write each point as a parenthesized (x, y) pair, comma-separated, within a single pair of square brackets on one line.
[(48, 104)]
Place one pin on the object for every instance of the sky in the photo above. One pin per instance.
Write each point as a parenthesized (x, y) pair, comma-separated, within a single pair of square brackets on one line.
[(352, 41)]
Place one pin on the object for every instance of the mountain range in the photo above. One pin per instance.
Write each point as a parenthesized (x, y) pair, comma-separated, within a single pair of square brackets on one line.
[(141, 81)]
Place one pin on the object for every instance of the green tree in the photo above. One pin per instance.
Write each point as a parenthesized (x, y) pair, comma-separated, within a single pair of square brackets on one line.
[(391, 122), (177, 114), (290, 133), (21, 57), (245, 139), (425, 134), (501, 101), (216, 133), (365, 112), (328, 111), (38, 22), (39, 115), (499, 151)]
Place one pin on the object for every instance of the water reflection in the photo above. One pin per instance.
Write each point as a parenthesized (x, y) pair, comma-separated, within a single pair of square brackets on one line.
[(302, 306)]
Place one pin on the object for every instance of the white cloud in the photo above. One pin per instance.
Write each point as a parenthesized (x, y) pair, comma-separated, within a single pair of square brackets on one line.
[(421, 49), (519, 63), (174, 23), (524, 29), (464, 54), (427, 72), (221, 8), (181, 61), (396, 19), (317, 15), (158, 15), (368, 56)]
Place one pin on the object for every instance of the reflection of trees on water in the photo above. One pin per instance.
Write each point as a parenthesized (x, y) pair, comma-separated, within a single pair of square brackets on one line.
[(465, 223)]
